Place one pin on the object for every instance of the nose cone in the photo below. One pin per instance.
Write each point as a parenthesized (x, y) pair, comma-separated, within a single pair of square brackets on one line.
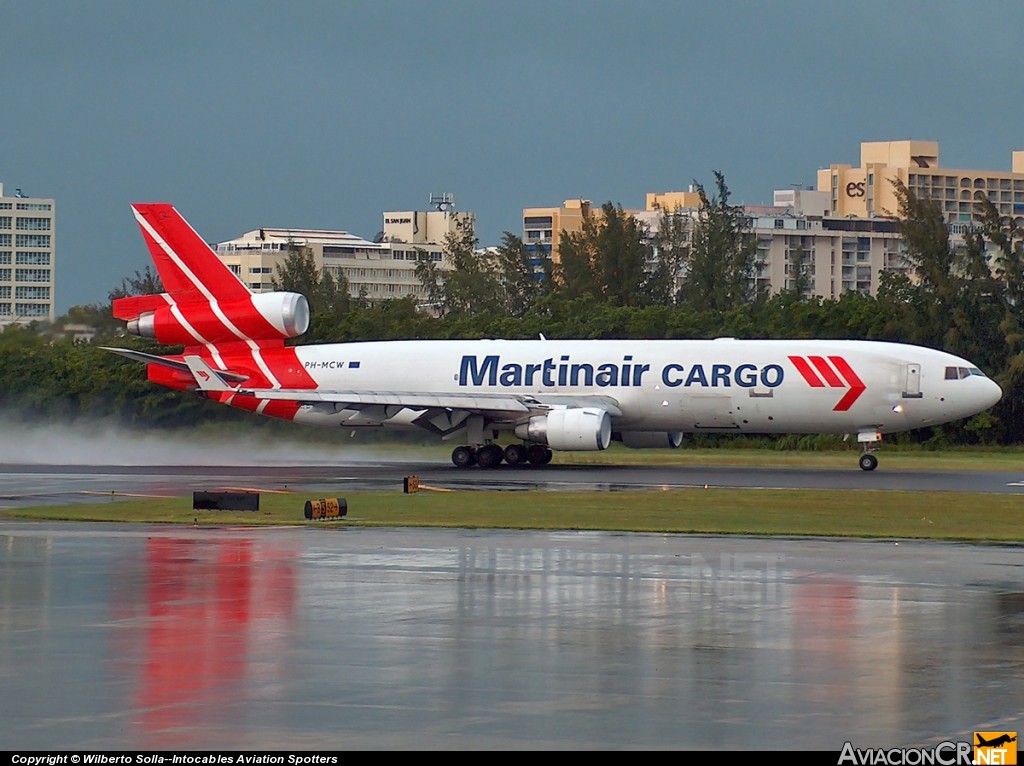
[(989, 393)]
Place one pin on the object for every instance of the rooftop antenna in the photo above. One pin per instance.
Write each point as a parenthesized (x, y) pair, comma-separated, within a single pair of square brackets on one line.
[(443, 202)]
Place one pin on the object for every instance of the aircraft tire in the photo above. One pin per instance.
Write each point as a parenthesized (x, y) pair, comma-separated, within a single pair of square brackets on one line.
[(463, 457), (868, 462), (489, 456), (516, 454), (538, 454)]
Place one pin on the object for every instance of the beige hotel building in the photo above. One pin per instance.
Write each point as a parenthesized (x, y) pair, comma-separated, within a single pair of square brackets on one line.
[(27, 250), (845, 232)]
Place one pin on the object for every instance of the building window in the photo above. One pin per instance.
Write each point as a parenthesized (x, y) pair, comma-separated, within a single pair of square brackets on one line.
[(32, 293), (32, 240), (32, 224), (31, 275), (5, 222), (31, 309), (34, 206), (35, 259)]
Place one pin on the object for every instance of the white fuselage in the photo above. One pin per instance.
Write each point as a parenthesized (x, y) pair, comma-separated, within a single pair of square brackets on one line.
[(724, 385)]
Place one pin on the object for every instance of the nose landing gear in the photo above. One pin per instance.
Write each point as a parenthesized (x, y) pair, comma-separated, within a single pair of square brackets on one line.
[(869, 440), (868, 462)]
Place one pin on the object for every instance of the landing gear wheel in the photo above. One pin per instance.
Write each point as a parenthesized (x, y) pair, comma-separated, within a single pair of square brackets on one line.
[(489, 456), (464, 457), (868, 462), (515, 454), (538, 454)]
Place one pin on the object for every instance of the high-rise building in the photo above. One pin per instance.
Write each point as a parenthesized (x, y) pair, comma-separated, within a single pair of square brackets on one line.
[(27, 258), (867, 191)]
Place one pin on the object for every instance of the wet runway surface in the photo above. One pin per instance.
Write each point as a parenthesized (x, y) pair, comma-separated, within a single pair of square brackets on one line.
[(39, 484), (152, 637), (144, 637)]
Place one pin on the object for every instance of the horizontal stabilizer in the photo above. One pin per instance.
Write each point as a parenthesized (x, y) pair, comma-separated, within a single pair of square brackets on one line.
[(174, 364)]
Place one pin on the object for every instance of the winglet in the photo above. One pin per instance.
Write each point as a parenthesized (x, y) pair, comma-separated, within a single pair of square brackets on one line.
[(208, 378)]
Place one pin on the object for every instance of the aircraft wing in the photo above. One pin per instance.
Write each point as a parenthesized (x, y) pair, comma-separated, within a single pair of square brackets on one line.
[(512, 404)]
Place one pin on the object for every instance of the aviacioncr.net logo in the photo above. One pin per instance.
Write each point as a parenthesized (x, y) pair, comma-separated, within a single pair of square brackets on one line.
[(943, 754)]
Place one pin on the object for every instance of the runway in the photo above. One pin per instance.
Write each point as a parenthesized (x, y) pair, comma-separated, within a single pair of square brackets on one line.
[(153, 637), (32, 484)]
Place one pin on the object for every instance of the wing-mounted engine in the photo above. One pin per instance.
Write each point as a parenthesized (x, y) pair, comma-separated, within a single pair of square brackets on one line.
[(572, 428), (650, 439), (264, 316)]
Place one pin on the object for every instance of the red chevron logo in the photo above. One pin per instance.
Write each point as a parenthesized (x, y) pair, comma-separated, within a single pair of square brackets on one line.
[(834, 372)]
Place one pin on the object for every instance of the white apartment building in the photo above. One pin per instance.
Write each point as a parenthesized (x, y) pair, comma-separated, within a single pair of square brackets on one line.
[(837, 255), (27, 258), (375, 271)]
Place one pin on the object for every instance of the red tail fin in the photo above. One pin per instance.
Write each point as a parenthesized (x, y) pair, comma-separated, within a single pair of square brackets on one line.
[(205, 304), (189, 269)]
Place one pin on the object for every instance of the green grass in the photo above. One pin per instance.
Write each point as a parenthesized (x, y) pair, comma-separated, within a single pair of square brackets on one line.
[(855, 513)]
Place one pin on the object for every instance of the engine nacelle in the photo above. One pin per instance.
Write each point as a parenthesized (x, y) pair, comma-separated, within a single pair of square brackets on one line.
[(265, 316), (651, 439), (574, 428)]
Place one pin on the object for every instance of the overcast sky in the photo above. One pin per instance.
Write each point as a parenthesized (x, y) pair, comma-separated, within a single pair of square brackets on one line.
[(326, 113)]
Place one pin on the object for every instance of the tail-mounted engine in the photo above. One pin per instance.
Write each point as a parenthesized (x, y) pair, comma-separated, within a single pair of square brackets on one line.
[(264, 316)]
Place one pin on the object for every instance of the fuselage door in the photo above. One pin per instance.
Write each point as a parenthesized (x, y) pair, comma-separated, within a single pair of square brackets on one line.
[(712, 411), (912, 384)]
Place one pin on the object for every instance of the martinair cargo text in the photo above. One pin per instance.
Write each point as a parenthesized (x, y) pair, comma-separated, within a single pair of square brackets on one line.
[(534, 395)]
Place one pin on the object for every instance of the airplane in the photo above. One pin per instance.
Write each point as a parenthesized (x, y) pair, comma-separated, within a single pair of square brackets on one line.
[(546, 394), (1002, 739)]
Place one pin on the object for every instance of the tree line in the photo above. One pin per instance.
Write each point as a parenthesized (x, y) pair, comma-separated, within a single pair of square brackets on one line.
[(694, 277)]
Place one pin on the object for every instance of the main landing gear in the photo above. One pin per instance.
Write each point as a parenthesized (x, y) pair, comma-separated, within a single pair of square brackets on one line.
[(492, 455)]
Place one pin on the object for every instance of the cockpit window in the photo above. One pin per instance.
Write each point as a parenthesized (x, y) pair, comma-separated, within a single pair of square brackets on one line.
[(959, 373)]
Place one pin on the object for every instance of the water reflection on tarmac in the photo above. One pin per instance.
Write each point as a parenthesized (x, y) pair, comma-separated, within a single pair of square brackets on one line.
[(150, 637)]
